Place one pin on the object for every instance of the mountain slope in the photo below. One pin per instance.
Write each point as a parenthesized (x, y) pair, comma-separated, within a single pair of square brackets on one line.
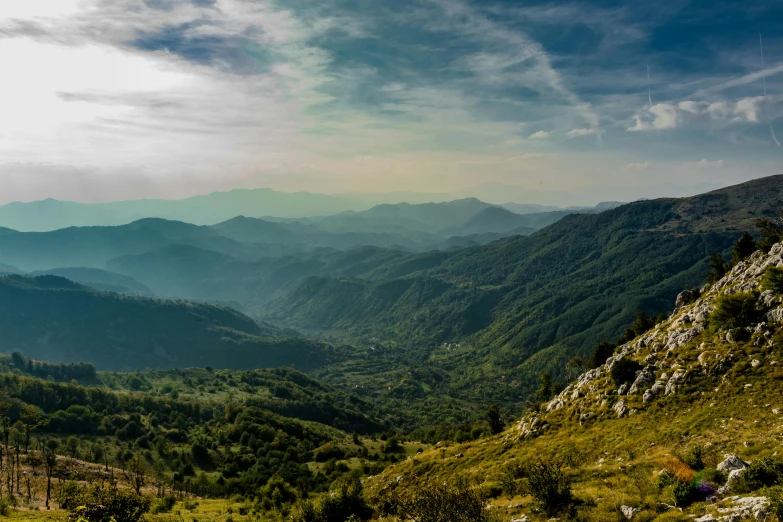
[(522, 306), (494, 220), (658, 427), (52, 318)]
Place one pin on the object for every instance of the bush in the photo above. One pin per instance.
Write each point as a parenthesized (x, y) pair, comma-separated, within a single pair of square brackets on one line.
[(735, 310), (103, 501), (443, 503), (549, 485), (624, 371), (165, 504), (684, 494), (762, 472), (5, 508), (694, 458), (773, 279), (348, 504), (775, 496)]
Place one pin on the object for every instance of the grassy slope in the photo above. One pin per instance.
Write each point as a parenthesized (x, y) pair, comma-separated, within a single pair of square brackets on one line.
[(725, 406)]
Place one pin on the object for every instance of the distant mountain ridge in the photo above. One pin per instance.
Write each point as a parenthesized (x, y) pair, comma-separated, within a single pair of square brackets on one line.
[(51, 214)]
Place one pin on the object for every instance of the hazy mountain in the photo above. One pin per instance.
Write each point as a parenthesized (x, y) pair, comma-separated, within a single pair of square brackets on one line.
[(93, 246), (53, 318), (100, 280), (7, 269), (207, 209), (194, 273), (494, 220), (529, 208)]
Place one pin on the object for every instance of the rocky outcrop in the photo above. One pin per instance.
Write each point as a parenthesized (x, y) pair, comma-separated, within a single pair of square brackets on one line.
[(644, 379), (675, 352)]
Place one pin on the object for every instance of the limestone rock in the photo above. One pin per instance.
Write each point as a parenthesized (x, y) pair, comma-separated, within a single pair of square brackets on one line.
[(645, 378), (628, 511), (731, 462)]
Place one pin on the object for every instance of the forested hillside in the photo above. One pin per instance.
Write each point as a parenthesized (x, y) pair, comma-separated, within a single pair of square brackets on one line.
[(524, 305), (52, 318)]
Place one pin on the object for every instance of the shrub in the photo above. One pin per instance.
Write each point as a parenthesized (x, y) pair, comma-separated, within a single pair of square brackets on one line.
[(762, 472), (349, 503), (549, 485), (775, 496), (444, 503), (5, 508), (165, 504), (694, 458), (624, 371), (684, 494), (101, 501), (735, 310), (773, 279)]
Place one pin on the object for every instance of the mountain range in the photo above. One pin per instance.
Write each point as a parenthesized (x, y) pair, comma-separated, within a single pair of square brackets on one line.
[(52, 214), (514, 307)]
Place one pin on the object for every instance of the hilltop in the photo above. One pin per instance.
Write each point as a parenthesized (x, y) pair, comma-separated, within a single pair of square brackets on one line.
[(676, 423)]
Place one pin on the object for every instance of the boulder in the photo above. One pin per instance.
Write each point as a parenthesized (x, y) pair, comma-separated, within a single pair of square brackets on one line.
[(628, 511), (730, 463), (775, 315), (621, 408), (645, 378)]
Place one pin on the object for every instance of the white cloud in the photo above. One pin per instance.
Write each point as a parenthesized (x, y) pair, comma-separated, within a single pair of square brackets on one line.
[(574, 133), (638, 166), (540, 135), (660, 116), (704, 164)]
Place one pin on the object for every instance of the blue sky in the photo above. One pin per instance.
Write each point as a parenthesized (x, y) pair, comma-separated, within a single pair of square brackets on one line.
[(554, 102)]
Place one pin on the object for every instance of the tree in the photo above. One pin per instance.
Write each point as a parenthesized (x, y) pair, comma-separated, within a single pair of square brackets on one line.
[(601, 353), (770, 232), (718, 268), (495, 419), (743, 248), (624, 371), (735, 310), (73, 447), (50, 461), (137, 469), (32, 418), (545, 391)]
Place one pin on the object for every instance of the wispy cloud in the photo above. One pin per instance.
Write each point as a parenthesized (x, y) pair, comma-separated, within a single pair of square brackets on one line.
[(540, 135), (575, 133), (705, 164), (638, 166)]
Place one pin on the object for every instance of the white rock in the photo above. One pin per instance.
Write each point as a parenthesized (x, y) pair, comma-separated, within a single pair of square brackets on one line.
[(731, 462), (628, 511)]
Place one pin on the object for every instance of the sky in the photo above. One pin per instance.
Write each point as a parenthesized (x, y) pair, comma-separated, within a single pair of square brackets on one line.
[(547, 102)]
